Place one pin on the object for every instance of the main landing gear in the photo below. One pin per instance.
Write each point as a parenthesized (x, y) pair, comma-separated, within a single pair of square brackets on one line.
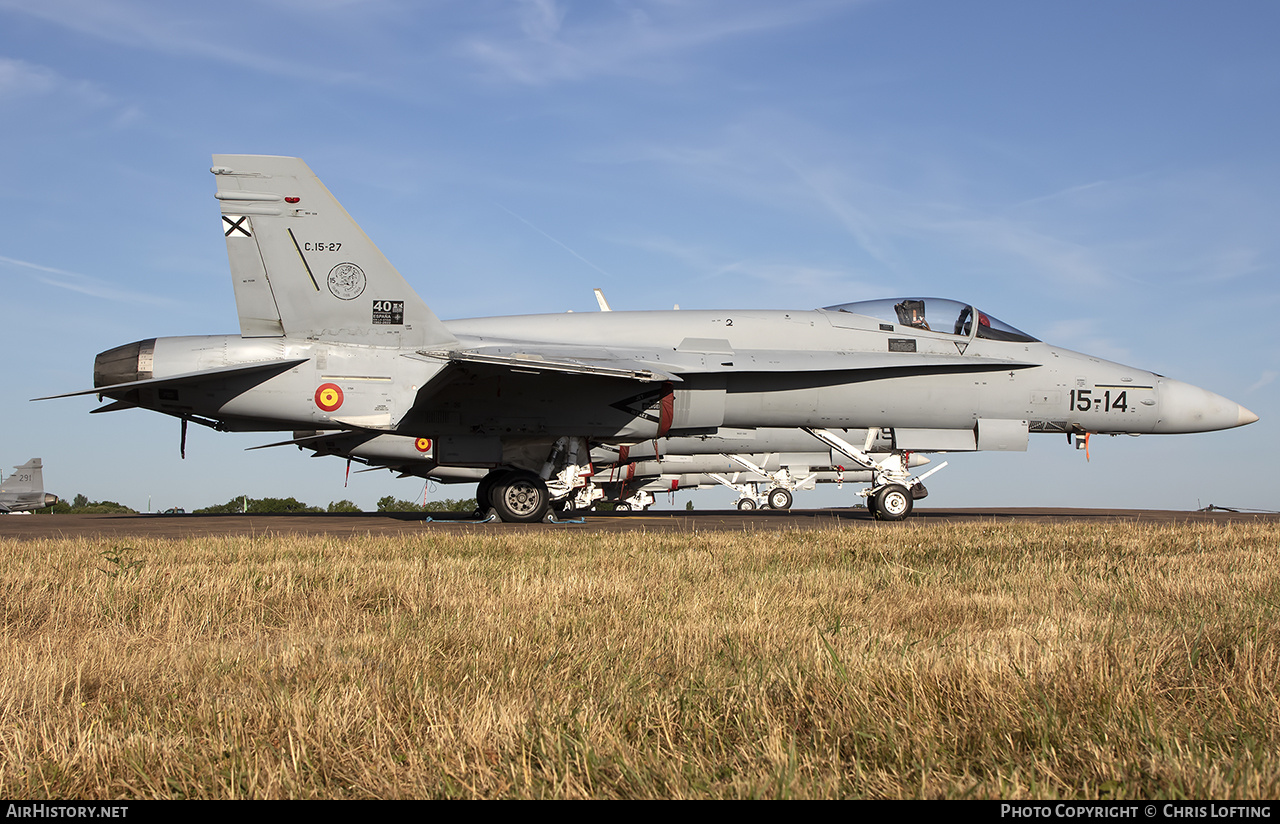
[(522, 496)]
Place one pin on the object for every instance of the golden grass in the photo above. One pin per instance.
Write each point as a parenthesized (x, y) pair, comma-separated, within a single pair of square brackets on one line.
[(898, 660)]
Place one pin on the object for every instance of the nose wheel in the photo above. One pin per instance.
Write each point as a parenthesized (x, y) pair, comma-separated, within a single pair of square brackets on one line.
[(779, 498), (892, 503)]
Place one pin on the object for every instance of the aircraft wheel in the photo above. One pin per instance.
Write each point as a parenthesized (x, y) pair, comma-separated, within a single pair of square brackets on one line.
[(484, 491), (520, 497), (893, 503), (746, 504), (779, 498)]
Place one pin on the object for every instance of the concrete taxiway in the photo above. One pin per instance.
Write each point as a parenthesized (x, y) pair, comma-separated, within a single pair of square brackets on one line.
[(34, 527)]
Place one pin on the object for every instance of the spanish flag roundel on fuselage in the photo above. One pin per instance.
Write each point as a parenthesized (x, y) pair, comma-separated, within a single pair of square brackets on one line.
[(329, 396)]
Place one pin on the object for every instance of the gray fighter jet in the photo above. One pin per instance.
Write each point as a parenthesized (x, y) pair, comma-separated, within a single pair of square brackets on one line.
[(332, 337), (24, 489)]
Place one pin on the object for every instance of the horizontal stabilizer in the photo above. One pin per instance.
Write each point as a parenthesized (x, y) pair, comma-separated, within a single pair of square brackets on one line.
[(115, 406), (269, 368), (303, 441)]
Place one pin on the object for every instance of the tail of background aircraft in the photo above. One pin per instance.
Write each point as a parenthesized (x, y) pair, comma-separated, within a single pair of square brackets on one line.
[(23, 491), (303, 268), (26, 478)]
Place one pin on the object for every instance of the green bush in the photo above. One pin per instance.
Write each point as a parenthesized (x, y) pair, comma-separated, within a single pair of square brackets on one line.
[(258, 506)]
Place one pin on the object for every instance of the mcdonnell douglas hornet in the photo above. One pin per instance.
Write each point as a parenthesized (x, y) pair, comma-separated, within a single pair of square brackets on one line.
[(333, 338)]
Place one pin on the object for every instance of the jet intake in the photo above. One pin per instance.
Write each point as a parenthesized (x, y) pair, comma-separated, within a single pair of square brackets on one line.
[(125, 364)]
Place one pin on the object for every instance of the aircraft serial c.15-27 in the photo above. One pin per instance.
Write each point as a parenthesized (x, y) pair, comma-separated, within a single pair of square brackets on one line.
[(333, 338)]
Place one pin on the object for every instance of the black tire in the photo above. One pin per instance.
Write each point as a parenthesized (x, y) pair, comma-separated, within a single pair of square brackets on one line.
[(746, 504), (520, 497), (484, 491), (622, 506), (893, 503), (779, 498)]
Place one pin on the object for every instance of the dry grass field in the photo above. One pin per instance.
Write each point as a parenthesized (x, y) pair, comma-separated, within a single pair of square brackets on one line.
[(1008, 661)]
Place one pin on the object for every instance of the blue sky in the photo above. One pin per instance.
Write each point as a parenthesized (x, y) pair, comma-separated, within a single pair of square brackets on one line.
[(1101, 175)]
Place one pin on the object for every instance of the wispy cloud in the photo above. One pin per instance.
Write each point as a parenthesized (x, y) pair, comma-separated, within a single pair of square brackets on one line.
[(1066, 193), (19, 78), (549, 44), (711, 265), (557, 242), (1083, 335), (1267, 377), (827, 191), (175, 30), (85, 285)]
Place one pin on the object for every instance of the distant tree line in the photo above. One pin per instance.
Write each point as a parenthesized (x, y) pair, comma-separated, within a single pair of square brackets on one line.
[(391, 504), (81, 505), (257, 506), (385, 504)]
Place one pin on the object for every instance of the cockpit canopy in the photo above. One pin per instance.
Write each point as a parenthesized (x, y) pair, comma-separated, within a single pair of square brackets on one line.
[(949, 317)]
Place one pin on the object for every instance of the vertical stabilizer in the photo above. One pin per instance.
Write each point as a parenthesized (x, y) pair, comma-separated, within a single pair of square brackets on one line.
[(303, 268), (23, 491), (26, 478)]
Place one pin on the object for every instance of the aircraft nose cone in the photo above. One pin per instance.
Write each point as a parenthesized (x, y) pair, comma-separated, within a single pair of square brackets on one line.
[(1187, 408)]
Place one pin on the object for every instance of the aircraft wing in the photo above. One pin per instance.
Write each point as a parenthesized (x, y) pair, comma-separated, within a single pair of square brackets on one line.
[(597, 363)]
